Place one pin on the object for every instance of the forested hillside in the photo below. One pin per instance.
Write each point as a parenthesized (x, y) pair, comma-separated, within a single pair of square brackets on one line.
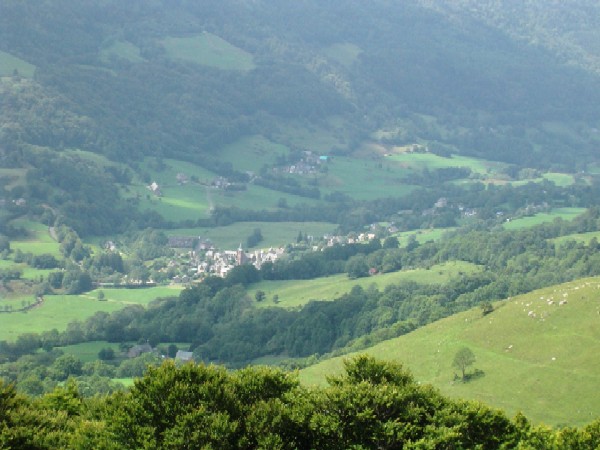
[(138, 79)]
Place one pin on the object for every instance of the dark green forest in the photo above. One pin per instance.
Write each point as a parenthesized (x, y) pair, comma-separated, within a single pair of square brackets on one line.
[(469, 76), (373, 405)]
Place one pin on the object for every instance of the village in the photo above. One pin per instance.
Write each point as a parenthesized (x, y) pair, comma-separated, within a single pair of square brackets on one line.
[(203, 259), (198, 258)]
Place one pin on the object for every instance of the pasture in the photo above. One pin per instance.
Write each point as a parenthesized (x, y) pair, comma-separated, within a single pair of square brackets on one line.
[(423, 236), (194, 200), (9, 64), (539, 218), (258, 197), (343, 53), (559, 179), (317, 138), (537, 356), (15, 177), (252, 153), (583, 238), (88, 351), (295, 293), (134, 296), (364, 179), (275, 234), (121, 49), (58, 311), (421, 161), (39, 240), (208, 50)]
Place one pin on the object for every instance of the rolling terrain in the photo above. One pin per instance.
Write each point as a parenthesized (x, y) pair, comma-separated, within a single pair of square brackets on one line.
[(396, 164), (530, 362)]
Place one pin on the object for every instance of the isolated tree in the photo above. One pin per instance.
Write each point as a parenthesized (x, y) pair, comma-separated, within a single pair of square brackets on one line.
[(486, 308), (462, 360), (357, 267), (106, 354), (391, 242)]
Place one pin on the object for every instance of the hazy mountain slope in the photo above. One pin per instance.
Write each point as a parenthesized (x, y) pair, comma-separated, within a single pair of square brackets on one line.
[(569, 28), (142, 72)]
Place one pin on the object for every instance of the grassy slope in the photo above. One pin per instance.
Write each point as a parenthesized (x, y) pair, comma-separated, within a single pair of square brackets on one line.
[(275, 234), (365, 179), (294, 293), (209, 50), (252, 153), (547, 367), (536, 219), (583, 238), (88, 351), (58, 311), (194, 200), (424, 235), (122, 49), (39, 241), (9, 63)]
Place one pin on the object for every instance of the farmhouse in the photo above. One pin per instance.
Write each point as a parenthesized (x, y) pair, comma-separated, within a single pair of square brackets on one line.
[(184, 356), (139, 349), (155, 189)]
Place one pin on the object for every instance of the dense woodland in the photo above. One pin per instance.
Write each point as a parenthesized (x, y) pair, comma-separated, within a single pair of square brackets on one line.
[(440, 82), (373, 405)]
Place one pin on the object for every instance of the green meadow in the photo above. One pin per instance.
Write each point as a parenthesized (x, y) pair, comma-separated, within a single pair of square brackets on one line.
[(58, 311), (209, 50), (295, 293), (258, 197), (316, 138), (88, 351), (177, 202), (15, 301), (275, 234), (583, 238), (539, 218), (343, 53), (122, 49), (16, 177), (421, 161), (166, 175), (559, 179), (27, 272), (10, 63), (194, 200), (423, 236), (134, 296), (39, 240), (364, 179), (252, 153), (528, 360)]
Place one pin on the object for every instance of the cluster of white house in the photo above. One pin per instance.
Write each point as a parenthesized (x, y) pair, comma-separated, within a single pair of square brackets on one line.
[(219, 263), (206, 260)]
